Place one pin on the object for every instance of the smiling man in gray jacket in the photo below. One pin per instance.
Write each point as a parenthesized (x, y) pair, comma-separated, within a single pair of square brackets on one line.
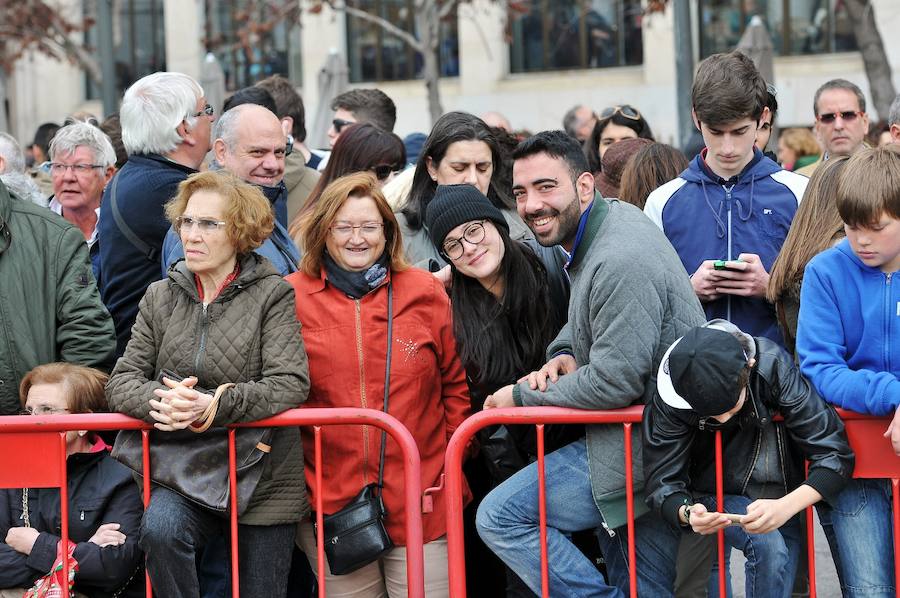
[(630, 300)]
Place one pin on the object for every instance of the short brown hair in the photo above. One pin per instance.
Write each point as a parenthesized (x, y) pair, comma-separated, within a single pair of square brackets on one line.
[(368, 106), (840, 84), (249, 219), (85, 387), (287, 103), (870, 186), (728, 88), (651, 167), (316, 227)]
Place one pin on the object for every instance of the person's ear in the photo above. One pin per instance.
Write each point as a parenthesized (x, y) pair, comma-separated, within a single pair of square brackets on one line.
[(895, 133), (762, 117), (695, 120), (287, 125), (219, 151), (584, 186), (432, 169)]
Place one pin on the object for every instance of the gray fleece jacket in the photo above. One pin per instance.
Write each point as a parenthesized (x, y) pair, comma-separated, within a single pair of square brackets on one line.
[(631, 298)]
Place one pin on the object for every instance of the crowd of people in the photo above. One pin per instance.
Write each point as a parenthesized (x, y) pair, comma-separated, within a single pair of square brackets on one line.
[(195, 270)]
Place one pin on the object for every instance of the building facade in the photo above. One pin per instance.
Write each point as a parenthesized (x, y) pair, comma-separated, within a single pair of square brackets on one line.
[(531, 62)]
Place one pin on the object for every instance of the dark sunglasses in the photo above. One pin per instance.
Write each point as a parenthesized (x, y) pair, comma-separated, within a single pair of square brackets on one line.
[(830, 117), (626, 111), (340, 123), (383, 171)]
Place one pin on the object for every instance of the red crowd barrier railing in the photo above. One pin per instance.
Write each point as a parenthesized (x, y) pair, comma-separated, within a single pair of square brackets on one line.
[(45, 439), (874, 459)]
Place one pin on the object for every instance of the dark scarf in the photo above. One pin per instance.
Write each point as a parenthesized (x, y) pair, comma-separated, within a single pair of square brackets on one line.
[(356, 284)]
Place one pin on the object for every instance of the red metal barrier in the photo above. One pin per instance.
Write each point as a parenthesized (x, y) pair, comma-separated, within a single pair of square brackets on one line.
[(874, 459), (47, 468)]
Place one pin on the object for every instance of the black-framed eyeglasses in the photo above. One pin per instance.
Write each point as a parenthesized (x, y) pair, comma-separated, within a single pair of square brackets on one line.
[(625, 110), (847, 116), (473, 235), (340, 123), (58, 169), (383, 171), (185, 224), (207, 110)]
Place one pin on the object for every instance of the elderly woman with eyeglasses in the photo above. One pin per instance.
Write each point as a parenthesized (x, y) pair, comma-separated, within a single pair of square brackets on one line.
[(353, 280), (224, 320), (104, 503)]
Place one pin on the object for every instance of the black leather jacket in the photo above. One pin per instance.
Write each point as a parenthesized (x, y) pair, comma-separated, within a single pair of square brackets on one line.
[(679, 446)]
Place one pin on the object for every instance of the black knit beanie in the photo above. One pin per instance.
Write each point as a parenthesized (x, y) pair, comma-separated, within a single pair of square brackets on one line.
[(453, 205)]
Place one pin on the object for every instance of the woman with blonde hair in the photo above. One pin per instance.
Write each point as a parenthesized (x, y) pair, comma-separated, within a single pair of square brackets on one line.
[(816, 227), (105, 505), (379, 335), (797, 148)]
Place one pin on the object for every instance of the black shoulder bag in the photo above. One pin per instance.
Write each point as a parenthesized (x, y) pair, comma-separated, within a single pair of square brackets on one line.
[(355, 536)]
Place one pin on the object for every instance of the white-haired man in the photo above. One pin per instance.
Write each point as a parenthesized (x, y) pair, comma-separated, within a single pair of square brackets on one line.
[(12, 172), (166, 125)]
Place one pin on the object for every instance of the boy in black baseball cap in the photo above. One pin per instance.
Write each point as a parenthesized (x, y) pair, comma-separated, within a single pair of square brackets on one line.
[(718, 378)]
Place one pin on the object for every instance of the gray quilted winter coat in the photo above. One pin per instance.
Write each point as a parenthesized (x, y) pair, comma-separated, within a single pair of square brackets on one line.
[(248, 335)]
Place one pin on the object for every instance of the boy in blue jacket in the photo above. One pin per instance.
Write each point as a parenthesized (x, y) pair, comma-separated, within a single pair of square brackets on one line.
[(848, 343), (728, 213)]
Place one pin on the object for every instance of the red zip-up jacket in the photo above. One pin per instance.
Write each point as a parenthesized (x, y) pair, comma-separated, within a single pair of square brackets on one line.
[(346, 341)]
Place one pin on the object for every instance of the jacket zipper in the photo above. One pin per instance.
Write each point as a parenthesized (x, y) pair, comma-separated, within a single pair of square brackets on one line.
[(887, 323), (362, 385), (781, 451), (728, 241), (204, 332)]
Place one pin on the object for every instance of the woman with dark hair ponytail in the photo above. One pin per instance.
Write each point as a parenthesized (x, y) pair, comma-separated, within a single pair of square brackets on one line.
[(509, 300)]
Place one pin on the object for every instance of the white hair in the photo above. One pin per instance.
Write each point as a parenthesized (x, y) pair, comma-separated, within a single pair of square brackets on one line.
[(152, 109), (11, 152), (23, 186), (80, 134)]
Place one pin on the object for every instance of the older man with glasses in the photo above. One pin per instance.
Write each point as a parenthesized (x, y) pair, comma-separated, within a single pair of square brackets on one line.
[(841, 121), (82, 160)]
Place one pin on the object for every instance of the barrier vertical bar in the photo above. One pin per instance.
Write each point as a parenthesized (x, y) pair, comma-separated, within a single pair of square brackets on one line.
[(233, 516), (145, 459), (720, 506), (629, 510), (542, 512), (810, 544), (320, 517), (64, 513), (895, 499)]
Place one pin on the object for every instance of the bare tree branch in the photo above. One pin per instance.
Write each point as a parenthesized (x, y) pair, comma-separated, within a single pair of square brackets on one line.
[(448, 7), (380, 22)]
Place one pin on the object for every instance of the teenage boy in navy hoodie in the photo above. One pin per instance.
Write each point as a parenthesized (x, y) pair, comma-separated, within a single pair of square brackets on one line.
[(848, 342), (731, 204)]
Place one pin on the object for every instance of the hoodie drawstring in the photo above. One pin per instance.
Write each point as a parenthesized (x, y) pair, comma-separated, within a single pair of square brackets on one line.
[(720, 224), (741, 215)]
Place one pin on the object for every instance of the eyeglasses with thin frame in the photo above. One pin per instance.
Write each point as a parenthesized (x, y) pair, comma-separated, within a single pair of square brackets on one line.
[(345, 230), (625, 110), (59, 169), (185, 224), (383, 171), (340, 123), (42, 410), (473, 235), (847, 116), (207, 110)]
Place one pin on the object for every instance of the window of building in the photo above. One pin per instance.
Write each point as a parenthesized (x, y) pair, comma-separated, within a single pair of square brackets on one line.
[(139, 43), (376, 55), (575, 34), (797, 27), (251, 42)]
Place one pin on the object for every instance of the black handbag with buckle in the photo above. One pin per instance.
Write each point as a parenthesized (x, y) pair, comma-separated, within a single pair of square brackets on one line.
[(355, 536)]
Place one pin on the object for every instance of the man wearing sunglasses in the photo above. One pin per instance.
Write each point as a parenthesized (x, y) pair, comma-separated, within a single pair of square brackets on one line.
[(360, 106), (841, 121)]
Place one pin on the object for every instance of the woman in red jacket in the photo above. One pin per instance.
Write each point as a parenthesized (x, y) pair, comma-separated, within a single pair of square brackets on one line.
[(353, 256)]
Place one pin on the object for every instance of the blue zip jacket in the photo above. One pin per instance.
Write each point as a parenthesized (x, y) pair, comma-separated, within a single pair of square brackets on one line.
[(848, 332), (708, 218), (279, 249)]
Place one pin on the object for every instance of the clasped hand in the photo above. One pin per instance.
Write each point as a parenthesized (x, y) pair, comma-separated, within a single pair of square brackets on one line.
[(763, 516), (178, 405)]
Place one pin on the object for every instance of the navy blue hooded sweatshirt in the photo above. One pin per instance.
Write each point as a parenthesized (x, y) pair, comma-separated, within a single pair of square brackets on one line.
[(708, 218)]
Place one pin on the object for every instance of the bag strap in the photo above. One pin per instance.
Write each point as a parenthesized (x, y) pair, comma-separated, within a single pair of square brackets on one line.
[(151, 253), (387, 379)]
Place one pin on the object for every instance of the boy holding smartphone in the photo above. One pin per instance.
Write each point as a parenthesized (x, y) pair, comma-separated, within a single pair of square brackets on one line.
[(717, 377), (848, 343)]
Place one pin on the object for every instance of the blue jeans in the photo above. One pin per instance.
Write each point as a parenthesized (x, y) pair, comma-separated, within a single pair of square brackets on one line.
[(858, 527), (508, 522), (772, 558)]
